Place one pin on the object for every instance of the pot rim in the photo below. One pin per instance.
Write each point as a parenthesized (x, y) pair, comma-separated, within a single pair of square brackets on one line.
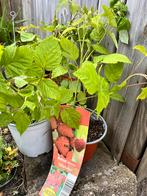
[(5, 183), (105, 129), (31, 125)]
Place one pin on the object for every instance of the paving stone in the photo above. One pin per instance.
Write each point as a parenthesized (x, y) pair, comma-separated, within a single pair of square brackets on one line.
[(101, 176)]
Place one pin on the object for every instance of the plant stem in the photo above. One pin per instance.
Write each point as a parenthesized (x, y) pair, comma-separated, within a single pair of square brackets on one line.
[(142, 83)]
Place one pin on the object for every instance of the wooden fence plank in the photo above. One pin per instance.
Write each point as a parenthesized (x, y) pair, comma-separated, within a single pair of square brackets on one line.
[(142, 169), (137, 139), (120, 116)]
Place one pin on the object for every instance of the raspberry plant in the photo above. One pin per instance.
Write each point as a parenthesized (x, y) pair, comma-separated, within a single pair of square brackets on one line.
[(68, 67)]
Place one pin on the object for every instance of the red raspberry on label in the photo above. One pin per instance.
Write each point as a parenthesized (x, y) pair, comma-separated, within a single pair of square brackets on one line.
[(62, 143), (64, 130), (79, 144)]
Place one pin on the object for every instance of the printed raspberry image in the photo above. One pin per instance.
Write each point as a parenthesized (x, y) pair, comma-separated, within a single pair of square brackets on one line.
[(79, 144), (64, 130), (62, 144)]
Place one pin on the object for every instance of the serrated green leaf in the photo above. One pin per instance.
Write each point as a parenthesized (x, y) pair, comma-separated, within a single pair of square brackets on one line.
[(65, 95), (117, 88), (71, 51), (100, 49), (27, 37), (112, 59), (123, 36), (49, 89), (21, 61), (103, 101), (110, 16), (59, 71), (74, 86), (8, 55), (48, 54), (22, 121), (20, 81), (98, 33), (143, 94), (141, 49), (113, 38), (124, 24), (29, 104), (5, 119), (87, 74), (113, 72), (81, 98), (117, 97), (71, 117)]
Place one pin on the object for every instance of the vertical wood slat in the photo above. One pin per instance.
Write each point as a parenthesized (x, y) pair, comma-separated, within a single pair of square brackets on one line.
[(137, 139), (142, 169), (120, 116)]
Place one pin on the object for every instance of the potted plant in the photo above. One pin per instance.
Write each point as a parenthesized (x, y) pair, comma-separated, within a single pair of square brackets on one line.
[(8, 162), (92, 70), (28, 97)]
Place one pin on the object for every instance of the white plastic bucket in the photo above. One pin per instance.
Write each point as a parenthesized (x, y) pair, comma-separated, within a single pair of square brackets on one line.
[(36, 140)]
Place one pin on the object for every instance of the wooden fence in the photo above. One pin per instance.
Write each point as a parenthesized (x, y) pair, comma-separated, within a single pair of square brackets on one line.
[(127, 122)]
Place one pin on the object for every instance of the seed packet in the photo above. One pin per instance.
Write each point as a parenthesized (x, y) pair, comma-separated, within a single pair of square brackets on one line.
[(68, 153)]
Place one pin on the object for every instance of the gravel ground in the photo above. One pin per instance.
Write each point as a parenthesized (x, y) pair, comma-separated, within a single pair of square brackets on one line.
[(100, 176)]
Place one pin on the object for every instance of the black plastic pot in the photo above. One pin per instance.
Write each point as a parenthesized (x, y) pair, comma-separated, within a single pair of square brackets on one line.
[(8, 181)]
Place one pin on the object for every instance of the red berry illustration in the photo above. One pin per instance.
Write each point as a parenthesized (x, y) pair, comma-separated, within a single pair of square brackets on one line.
[(62, 143), (64, 130), (79, 144)]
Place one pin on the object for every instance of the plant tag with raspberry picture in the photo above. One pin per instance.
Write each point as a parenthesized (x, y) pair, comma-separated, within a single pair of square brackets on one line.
[(68, 152)]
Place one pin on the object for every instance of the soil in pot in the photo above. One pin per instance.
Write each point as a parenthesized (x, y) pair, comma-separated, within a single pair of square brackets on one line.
[(96, 129), (95, 133)]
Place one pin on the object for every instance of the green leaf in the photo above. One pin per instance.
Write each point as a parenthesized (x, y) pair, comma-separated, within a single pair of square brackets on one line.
[(70, 117), (81, 98), (117, 88), (98, 33), (87, 74), (58, 71), (113, 38), (22, 121), (113, 72), (124, 24), (27, 37), (100, 49), (71, 51), (48, 54), (20, 81), (49, 89), (1, 51), (141, 49), (67, 30), (117, 97), (103, 101), (110, 16), (21, 61), (123, 36), (143, 94), (8, 55), (29, 104), (65, 95), (74, 86), (5, 119), (112, 58)]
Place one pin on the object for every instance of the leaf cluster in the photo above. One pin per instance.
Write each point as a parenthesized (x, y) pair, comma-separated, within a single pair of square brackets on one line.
[(8, 161)]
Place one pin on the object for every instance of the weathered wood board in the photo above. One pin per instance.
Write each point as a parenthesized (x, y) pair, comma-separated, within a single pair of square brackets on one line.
[(142, 169), (120, 116)]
